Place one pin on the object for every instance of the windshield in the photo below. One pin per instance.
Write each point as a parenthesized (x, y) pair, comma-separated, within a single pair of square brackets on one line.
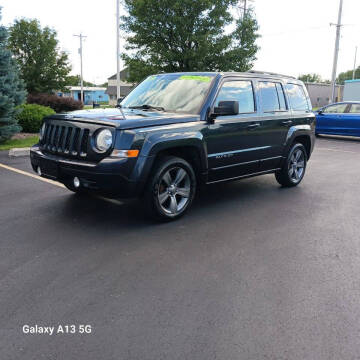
[(170, 92)]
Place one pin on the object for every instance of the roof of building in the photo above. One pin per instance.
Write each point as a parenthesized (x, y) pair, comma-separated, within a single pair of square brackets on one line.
[(86, 88), (320, 84)]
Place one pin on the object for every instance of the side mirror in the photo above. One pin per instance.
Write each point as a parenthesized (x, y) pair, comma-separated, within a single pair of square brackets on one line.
[(225, 108), (119, 100), (320, 112)]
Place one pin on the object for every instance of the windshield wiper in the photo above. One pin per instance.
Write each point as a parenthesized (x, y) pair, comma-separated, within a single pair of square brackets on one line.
[(147, 107)]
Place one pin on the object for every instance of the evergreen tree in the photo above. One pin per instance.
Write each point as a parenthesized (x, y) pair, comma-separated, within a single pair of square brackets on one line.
[(187, 35), (11, 89)]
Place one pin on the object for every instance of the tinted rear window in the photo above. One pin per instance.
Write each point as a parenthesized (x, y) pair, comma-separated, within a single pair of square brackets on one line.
[(297, 97)]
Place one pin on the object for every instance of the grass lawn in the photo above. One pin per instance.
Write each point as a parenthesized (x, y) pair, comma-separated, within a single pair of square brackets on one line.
[(103, 106), (19, 143)]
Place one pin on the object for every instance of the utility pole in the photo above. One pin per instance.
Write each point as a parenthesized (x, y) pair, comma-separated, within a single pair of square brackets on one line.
[(243, 7), (354, 71), (118, 88), (81, 37), (336, 53)]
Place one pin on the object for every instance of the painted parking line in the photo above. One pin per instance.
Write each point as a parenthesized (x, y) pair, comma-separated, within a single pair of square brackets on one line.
[(31, 175), (113, 201), (338, 150)]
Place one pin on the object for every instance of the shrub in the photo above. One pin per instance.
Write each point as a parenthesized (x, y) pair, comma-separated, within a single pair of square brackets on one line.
[(30, 116), (57, 103)]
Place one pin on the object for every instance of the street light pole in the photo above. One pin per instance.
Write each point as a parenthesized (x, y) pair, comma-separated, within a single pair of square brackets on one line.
[(81, 37), (354, 71), (336, 53), (118, 89)]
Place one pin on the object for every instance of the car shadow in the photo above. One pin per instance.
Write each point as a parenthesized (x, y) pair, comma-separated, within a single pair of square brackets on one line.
[(213, 200)]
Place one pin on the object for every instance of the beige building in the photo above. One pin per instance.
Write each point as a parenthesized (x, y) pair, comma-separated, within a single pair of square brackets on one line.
[(125, 87), (320, 93)]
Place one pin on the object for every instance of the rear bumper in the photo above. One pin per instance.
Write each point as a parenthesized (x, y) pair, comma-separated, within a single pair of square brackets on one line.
[(110, 177)]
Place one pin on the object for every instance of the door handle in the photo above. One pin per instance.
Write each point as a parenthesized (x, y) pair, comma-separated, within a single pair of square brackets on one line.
[(287, 122), (253, 126)]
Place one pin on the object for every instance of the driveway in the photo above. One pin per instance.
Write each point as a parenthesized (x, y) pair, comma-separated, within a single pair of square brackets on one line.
[(254, 271)]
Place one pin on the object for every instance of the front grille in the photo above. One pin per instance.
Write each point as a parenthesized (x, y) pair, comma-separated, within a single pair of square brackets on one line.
[(66, 140)]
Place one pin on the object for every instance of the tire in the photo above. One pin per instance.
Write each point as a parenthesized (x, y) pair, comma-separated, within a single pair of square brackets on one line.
[(293, 170), (170, 190)]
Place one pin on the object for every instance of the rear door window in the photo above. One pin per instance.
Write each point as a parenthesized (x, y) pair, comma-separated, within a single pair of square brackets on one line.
[(355, 109), (272, 96), (297, 97), (241, 91)]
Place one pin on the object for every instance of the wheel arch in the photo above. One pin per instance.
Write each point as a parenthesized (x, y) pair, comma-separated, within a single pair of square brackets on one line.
[(191, 149), (303, 134)]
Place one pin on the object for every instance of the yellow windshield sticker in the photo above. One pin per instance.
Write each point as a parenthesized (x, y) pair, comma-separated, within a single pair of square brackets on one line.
[(195, 77)]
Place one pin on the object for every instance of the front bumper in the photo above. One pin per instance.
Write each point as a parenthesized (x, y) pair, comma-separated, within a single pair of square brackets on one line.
[(110, 177)]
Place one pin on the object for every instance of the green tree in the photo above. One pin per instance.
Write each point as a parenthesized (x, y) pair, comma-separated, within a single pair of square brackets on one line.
[(12, 91), (43, 66), (311, 78), (74, 80), (187, 35), (348, 75)]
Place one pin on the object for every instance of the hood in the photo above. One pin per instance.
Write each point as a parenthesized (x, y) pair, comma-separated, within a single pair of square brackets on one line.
[(133, 118)]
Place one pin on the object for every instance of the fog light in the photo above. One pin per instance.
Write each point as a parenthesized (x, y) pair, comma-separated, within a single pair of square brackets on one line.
[(76, 182), (38, 170)]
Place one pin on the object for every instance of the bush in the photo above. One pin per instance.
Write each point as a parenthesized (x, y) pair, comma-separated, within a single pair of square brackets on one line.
[(57, 103), (30, 116)]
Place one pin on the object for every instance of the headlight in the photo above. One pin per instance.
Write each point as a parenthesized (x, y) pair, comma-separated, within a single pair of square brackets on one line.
[(103, 140), (42, 132)]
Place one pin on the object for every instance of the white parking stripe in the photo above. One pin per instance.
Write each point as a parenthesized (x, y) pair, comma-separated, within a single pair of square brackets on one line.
[(338, 150), (31, 175), (113, 201)]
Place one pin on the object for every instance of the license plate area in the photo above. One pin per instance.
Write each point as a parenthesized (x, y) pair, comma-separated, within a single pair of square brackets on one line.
[(49, 168)]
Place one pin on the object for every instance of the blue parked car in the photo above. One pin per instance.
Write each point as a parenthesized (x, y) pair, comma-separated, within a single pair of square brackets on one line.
[(339, 119)]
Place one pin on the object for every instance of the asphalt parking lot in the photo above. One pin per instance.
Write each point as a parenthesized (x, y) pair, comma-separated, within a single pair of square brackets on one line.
[(254, 271)]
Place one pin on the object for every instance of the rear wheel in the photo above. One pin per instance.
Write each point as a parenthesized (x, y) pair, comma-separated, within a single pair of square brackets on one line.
[(171, 188), (293, 170)]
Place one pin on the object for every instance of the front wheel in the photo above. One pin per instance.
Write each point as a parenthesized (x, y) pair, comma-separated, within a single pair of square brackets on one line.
[(293, 170), (171, 188)]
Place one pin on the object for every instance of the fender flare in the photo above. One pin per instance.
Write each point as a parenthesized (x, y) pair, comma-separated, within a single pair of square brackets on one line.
[(299, 130), (157, 142)]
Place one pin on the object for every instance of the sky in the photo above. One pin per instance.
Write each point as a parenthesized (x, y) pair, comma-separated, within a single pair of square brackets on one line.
[(296, 36)]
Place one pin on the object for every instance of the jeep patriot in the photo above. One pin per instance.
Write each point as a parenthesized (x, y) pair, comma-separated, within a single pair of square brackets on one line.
[(176, 132)]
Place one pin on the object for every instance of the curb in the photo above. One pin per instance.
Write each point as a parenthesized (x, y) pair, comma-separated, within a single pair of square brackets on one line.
[(19, 152)]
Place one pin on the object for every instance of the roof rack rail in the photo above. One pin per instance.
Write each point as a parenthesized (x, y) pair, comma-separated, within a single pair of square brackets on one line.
[(270, 73)]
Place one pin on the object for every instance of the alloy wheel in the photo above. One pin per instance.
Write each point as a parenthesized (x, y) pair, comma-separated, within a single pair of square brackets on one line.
[(174, 190), (296, 166)]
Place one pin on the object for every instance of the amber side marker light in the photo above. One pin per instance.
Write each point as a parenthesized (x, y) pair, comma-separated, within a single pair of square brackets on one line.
[(125, 153)]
